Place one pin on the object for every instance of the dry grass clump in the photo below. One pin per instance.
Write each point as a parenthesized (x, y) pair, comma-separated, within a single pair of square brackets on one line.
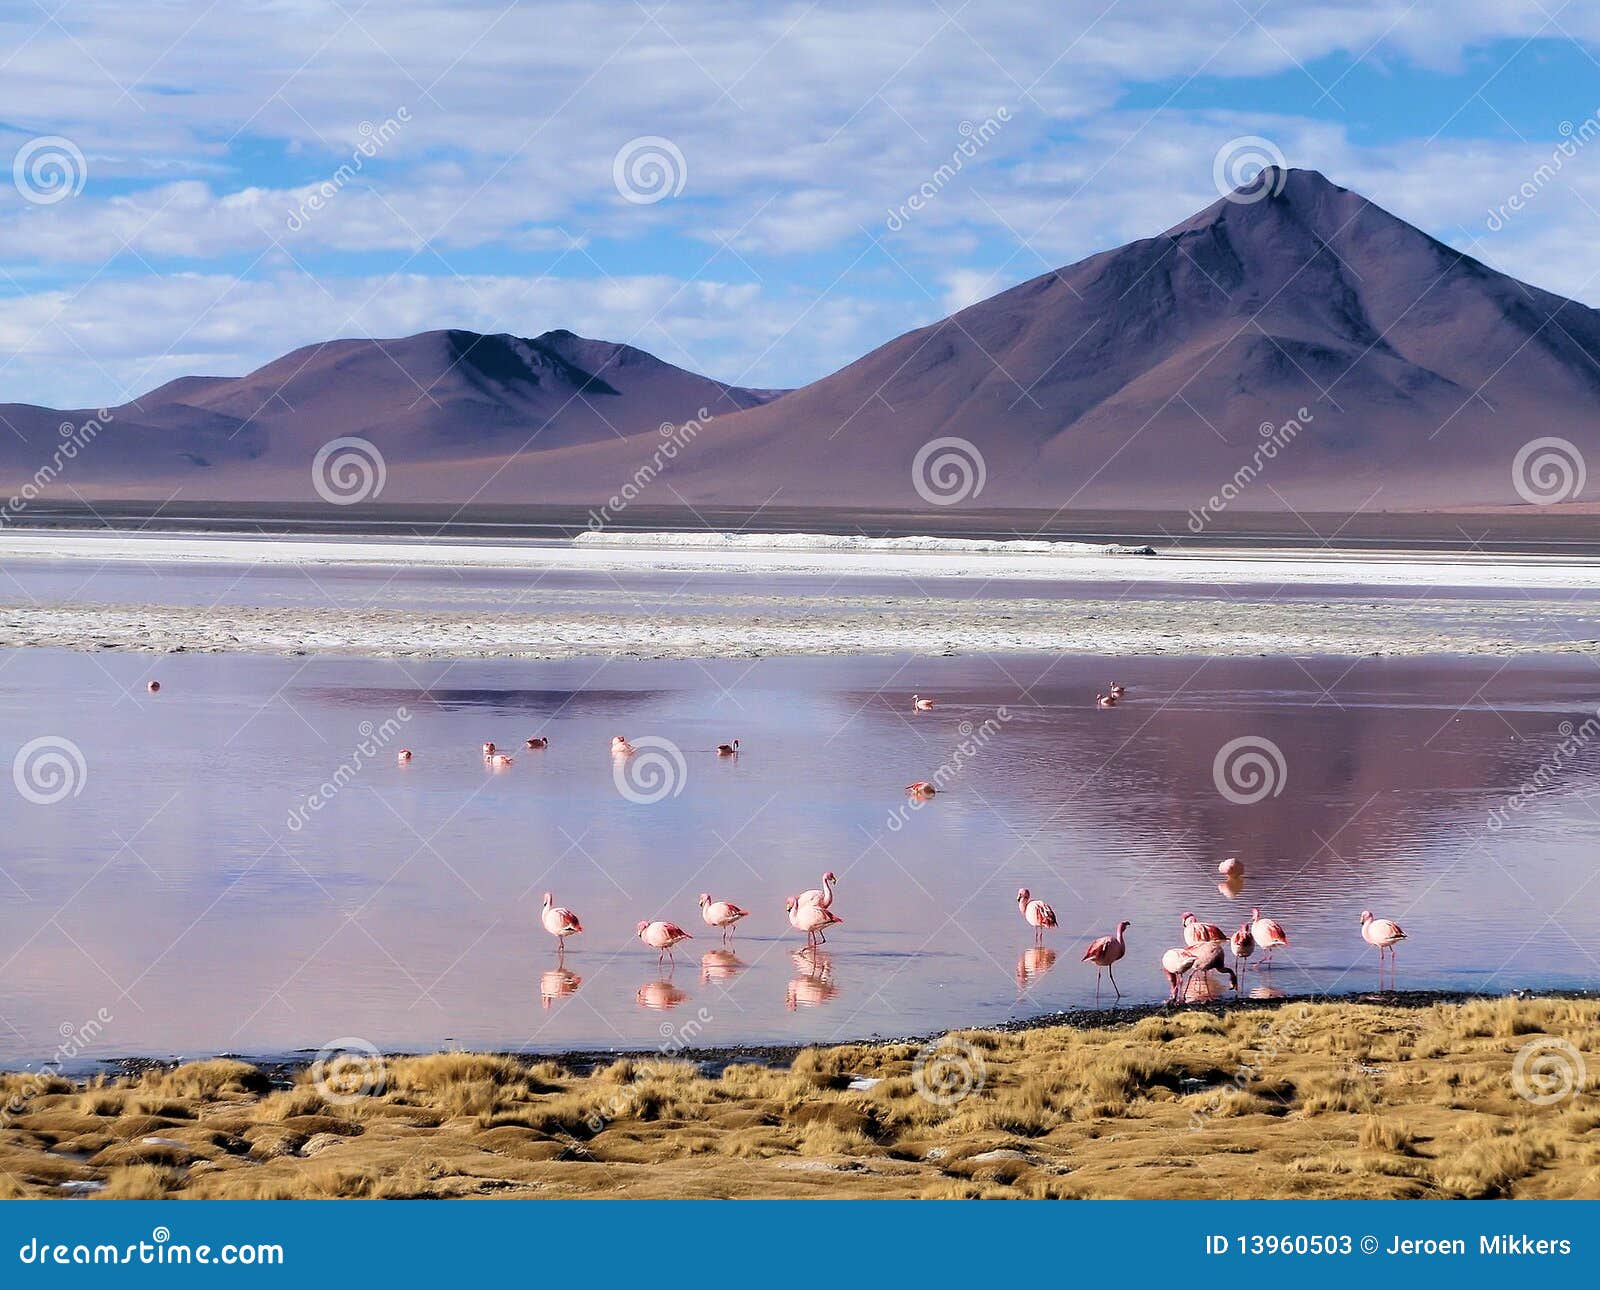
[(1304, 1100)]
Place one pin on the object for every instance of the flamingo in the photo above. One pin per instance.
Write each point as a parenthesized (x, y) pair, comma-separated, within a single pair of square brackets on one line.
[(1105, 952), (403, 756), (1211, 956), (1384, 933), (1117, 690), (1036, 914), (822, 899), (537, 743), (813, 920), (1269, 934), (919, 704), (662, 936), (488, 750), (1194, 931), (1244, 945), (1176, 963), (922, 788), (1231, 867), (1105, 700), (153, 686), (720, 913), (728, 750), (500, 761), (560, 922), (620, 747)]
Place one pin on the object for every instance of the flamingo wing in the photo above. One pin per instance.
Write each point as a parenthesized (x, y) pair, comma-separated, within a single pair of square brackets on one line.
[(1096, 950), (1047, 916)]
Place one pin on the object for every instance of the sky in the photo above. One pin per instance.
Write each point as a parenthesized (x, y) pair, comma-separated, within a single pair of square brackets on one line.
[(759, 191)]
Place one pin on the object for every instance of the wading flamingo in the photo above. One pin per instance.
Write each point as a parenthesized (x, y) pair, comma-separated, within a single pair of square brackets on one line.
[(488, 750), (728, 750), (813, 920), (1269, 935), (1036, 914), (662, 936), (1244, 945), (1211, 956), (1385, 933), (1103, 953), (620, 747), (403, 756), (919, 704), (1194, 931), (560, 922), (537, 743), (721, 913), (822, 899), (1175, 964), (922, 788)]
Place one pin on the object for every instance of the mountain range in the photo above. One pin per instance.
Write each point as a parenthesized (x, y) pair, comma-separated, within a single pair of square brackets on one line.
[(1145, 377)]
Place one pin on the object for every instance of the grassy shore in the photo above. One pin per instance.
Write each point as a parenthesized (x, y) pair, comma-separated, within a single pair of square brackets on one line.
[(1334, 1099)]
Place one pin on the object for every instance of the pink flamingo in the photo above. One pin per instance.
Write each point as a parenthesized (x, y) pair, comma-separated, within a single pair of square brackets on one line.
[(720, 913), (620, 747), (922, 788), (1105, 700), (488, 750), (537, 743), (813, 920), (1211, 956), (560, 922), (1194, 931), (1269, 935), (1244, 945), (1117, 690), (728, 750), (1036, 914), (500, 761), (919, 704), (1105, 952), (662, 936), (1175, 964), (1384, 933), (403, 756), (154, 687), (1230, 867), (822, 899)]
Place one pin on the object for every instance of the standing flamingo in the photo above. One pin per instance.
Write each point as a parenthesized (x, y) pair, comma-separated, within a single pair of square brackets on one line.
[(1105, 952), (720, 913), (1244, 945), (813, 920), (822, 899), (1385, 933), (1194, 931), (560, 922), (1036, 914), (1211, 956), (1175, 964), (919, 704), (1269, 935), (488, 750), (661, 936)]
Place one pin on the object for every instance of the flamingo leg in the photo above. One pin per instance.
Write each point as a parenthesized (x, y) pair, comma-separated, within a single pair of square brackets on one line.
[(1111, 972)]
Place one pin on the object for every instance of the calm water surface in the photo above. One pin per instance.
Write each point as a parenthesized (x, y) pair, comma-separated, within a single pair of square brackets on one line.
[(178, 890)]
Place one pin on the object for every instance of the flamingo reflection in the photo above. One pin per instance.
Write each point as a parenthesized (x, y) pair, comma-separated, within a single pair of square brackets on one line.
[(1034, 962), (814, 986), (660, 995), (720, 965), (557, 983)]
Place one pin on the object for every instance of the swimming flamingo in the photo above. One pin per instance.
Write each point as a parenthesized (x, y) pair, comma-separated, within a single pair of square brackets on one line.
[(822, 899), (403, 756), (1105, 952), (921, 789), (1036, 913), (620, 747), (728, 750), (560, 922), (500, 761), (919, 704), (721, 913), (813, 920), (662, 936), (1230, 867), (1105, 700), (153, 686), (537, 743), (1385, 933), (1244, 945), (1194, 931), (1269, 934), (1175, 964)]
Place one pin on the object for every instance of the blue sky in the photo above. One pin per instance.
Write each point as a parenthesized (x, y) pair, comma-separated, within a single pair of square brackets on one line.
[(164, 155)]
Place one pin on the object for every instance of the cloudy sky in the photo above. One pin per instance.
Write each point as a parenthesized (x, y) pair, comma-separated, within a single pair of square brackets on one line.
[(760, 191)]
